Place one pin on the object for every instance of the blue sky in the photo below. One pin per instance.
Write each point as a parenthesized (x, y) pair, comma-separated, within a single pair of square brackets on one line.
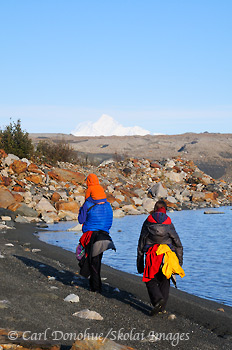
[(162, 65)]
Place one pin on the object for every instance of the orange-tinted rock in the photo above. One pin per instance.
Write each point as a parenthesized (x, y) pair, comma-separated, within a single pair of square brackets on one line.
[(18, 197), (67, 175), (170, 205), (155, 165), (33, 168), (19, 167), (5, 181), (128, 193), (20, 183), (55, 197), (6, 198), (178, 170), (18, 189), (211, 195), (36, 179), (187, 170), (68, 206), (155, 179), (13, 206), (110, 198)]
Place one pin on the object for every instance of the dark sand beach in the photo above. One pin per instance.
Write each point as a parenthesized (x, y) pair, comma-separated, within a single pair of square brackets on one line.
[(33, 303)]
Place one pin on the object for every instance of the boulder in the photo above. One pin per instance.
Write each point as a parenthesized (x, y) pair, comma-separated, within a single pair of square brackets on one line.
[(171, 199), (128, 208), (137, 201), (80, 200), (14, 206), (118, 213), (110, 198), (36, 179), (50, 217), (170, 164), (6, 198), (155, 166), (44, 206), (19, 167), (198, 196), (67, 175), (115, 204), (120, 197), (72, 206), (24, 210), (67, 215), (18, 189), (27, 197), (33, 168), (158, 191), (148, 204), (55, 197), (22, 220), (110, 189), (175, 177), (5, 180), (206, 180), (211, 196)]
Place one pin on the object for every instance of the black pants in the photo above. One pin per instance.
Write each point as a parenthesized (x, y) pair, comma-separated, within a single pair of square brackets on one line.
[(95, 273), (158, 288)]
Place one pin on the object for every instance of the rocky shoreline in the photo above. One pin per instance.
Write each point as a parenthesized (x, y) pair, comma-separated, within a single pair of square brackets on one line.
[(36, 278), (42, 193)]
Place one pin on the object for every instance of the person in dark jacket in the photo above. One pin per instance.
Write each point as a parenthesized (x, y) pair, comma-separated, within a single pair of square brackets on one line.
[(96, 215), (157, 229)]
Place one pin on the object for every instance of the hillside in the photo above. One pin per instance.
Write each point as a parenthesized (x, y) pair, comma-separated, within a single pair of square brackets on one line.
[(212, 153)]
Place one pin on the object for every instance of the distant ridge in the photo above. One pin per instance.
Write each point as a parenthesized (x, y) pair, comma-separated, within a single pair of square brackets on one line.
[(107, 126)]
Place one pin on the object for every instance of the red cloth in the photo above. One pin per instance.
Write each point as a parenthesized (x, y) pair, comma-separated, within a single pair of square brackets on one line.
[(152, 263), (85, 238), (168, 221)]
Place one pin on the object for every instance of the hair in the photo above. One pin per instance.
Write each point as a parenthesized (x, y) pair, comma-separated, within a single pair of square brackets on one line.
[(159, 204)]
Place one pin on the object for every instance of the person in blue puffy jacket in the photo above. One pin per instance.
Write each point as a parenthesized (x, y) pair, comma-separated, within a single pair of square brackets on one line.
[(96, 216)]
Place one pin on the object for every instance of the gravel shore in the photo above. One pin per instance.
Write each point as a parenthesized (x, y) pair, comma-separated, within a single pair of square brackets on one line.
[(33, 303)]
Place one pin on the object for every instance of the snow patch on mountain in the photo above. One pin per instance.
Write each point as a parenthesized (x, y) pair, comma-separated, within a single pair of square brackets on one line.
[(107, 126)]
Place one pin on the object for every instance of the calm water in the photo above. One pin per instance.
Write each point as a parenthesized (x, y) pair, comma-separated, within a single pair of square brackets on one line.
[(207, 241)]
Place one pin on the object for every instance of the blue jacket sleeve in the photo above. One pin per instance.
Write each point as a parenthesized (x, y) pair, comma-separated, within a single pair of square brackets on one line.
[(82, 216)]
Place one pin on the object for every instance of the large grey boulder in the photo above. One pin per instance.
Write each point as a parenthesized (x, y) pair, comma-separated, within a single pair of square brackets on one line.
[(158, 191), (24, 210), (44, 206)]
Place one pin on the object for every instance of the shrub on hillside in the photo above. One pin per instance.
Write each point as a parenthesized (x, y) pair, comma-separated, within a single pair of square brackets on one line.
[(16, 141), (52, 153)]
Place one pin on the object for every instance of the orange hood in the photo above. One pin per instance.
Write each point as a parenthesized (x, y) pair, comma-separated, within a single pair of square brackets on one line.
[(94, 189)]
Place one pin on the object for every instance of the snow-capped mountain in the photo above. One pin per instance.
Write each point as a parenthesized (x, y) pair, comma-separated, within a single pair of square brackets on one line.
[(107, 126)]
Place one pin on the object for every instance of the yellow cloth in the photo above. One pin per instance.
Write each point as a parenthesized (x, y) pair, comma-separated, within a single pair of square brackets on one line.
[(171, 262)]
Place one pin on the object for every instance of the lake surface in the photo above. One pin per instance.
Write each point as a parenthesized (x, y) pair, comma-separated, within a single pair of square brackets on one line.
[(207, 242)]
